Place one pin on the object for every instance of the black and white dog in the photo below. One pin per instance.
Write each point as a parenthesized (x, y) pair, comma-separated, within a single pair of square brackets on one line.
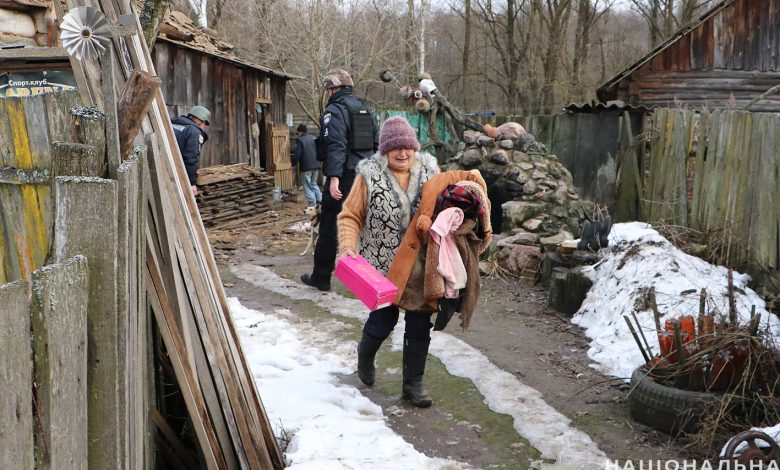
[(313, 212)]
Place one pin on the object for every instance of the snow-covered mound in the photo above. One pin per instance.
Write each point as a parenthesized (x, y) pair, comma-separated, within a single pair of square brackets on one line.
[(637, 258)]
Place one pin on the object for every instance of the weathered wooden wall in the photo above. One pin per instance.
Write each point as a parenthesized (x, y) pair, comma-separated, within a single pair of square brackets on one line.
[(229, 90), (89, 333), (718, 173), (725, 60), (27, 129)]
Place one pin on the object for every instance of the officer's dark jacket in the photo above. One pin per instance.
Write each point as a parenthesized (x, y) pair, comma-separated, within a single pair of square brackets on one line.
[(306, 153), (190, 139), (339, 160)]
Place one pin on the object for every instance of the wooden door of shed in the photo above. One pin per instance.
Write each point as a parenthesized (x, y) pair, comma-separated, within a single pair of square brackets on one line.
[(278, 155)]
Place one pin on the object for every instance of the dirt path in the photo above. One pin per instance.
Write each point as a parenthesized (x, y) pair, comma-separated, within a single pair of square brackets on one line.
[(512, 327)]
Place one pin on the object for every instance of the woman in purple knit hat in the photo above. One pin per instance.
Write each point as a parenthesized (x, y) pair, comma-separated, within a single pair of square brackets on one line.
[(383, 200)]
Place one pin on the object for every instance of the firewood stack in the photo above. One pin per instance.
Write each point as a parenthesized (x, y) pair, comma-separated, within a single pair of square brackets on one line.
[(232, 193)]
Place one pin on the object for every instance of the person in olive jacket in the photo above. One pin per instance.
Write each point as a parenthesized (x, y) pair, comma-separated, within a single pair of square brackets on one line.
[(348, 134), (190, 132)]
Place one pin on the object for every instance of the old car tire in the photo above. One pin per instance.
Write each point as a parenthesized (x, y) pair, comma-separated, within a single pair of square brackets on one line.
[(664, 408)]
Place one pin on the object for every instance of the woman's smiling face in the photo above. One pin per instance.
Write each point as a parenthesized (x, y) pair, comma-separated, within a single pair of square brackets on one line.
[(400, 159)]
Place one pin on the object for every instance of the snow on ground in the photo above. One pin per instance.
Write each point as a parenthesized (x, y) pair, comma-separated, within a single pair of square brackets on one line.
[(544, 427), (296, 368), (639, 257)]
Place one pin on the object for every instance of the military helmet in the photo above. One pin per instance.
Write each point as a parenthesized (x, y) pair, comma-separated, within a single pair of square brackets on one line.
[(201, 113), (335, 78)]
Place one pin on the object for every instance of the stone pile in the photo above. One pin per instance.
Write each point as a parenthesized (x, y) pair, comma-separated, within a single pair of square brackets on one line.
[(533, 198)]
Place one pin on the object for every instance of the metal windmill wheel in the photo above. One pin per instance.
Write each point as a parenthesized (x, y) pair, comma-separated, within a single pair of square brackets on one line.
[(85, 33)]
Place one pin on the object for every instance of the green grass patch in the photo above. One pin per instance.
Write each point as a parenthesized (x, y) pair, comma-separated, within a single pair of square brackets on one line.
[(461, 399)]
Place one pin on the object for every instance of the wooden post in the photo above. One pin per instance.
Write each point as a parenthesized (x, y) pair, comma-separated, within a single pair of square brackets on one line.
[(59, 330), (134, 102), (568, 289), (86, 223), (69, 159), (16, 427), (88, 126)]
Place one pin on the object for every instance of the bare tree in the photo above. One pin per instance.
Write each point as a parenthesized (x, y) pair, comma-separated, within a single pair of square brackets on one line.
[(499, 24), (664, 17), (554, 15), (465, 71), (589, 12), (151, 15), (307, 37)]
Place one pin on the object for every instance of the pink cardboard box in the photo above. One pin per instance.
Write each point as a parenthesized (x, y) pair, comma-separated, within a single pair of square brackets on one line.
[(363, 280)]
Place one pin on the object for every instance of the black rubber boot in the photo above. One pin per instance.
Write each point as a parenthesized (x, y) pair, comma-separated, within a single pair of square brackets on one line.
[(367, 349), (415, 355), (309, 280)]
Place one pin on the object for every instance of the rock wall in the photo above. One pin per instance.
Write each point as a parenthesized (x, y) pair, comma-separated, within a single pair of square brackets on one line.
[(528, 187), (26, 23)]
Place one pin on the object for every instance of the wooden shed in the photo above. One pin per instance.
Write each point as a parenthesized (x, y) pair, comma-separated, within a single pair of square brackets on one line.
[(723, 59), (246, 99)]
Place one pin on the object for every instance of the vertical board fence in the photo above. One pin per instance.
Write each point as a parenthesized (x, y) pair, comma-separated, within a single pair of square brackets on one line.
[(78, 330), (717, 173)]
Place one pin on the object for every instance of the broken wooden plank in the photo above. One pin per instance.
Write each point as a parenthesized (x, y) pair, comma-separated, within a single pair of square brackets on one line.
[(59, 332), (132, 107), (16, 423), (88, 126)]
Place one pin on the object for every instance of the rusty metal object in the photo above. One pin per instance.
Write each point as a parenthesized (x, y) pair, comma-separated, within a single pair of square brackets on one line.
[(753, 453)]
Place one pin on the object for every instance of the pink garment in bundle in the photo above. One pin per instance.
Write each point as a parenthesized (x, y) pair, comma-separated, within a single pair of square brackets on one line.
[(451, 265)]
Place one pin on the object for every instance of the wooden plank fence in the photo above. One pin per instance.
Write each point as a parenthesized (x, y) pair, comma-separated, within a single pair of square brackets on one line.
[(16, 417), (89, 333), (44, 363), (716, 173), (101, 213)]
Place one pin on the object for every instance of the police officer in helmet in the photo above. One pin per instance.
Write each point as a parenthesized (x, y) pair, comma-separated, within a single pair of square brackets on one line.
[(348, 134)]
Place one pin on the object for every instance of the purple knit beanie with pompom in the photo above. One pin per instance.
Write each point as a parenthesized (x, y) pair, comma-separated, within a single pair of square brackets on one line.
[(396, 133)]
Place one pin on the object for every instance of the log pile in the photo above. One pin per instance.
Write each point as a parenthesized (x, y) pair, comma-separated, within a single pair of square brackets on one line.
[(230, 193)]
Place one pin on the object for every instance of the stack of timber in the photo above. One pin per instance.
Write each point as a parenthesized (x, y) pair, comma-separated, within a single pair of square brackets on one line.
[(170, 265), (233, 193)]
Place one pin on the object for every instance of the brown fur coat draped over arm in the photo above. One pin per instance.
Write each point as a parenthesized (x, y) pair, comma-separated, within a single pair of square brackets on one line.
[(417, 235)]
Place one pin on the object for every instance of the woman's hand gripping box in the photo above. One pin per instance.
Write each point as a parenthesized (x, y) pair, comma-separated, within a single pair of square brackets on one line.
[(363, 280)]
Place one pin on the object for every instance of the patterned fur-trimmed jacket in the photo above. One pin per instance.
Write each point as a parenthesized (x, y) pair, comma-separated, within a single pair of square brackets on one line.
[(388, 207)]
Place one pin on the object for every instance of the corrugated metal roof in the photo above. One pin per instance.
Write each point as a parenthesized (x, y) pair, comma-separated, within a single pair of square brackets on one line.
[(673, 39), (609, 106), (195, 38)]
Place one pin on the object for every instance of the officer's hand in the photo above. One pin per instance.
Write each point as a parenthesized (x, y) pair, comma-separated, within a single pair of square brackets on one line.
[(194, 190), (348, 252), (334, 189)]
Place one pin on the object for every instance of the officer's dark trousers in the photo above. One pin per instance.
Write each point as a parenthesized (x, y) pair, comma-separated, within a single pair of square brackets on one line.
[(328, 240)]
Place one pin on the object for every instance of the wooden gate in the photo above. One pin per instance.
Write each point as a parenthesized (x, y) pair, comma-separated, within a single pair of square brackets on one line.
[(278, 155)]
